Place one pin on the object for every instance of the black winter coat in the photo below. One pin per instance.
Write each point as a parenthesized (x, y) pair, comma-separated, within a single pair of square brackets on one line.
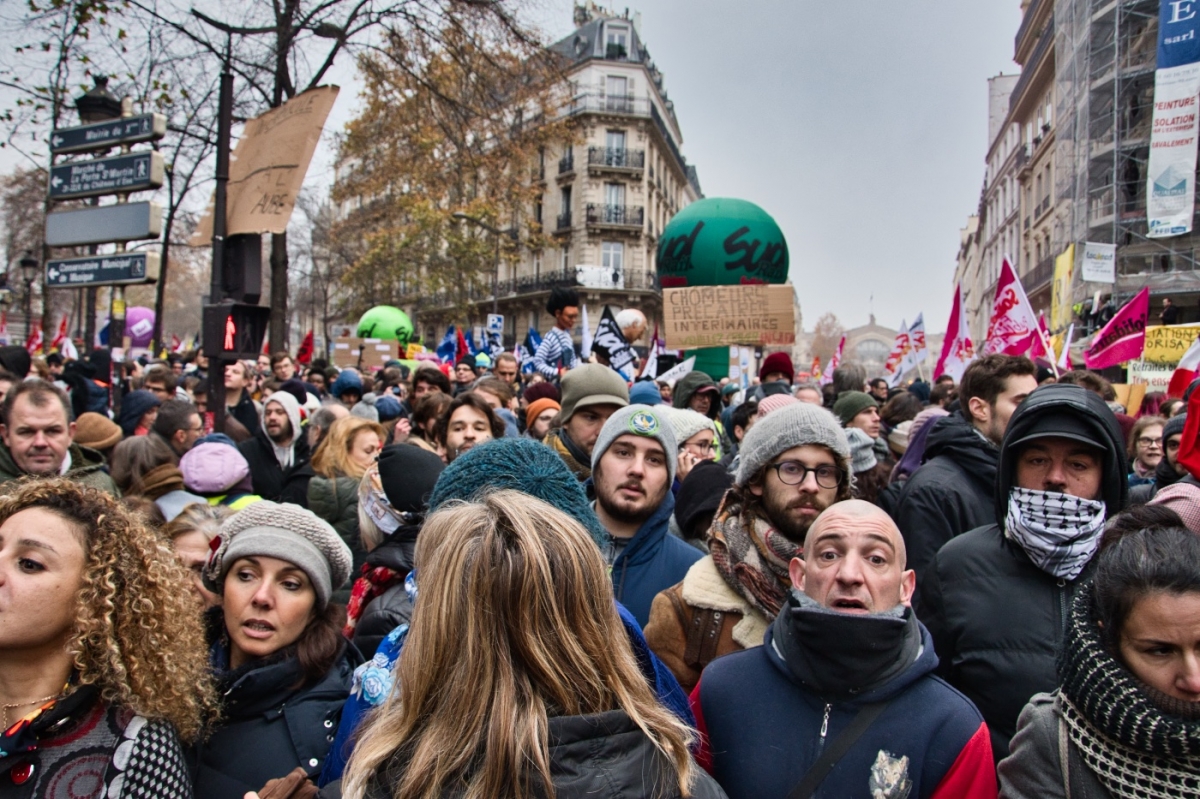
[(997, 622), (392, 608), (270, 480), (948, 495), (607, 755), (269, 726), (246, 412)]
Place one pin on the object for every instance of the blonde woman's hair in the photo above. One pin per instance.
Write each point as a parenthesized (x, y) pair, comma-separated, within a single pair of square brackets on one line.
[(516, 623), (332, 458), (137, 635), (197, 517)]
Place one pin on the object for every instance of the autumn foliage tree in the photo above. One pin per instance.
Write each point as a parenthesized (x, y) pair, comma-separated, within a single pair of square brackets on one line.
[(449, 126)]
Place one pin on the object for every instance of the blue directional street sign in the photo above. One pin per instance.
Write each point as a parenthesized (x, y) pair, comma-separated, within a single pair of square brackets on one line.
[(115, 175), (103, 270), (110, 133)]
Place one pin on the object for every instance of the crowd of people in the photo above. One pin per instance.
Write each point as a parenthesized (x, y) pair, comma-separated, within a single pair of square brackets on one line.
[(478, 580)]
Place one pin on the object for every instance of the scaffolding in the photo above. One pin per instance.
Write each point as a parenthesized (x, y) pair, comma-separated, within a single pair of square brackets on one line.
[(1104, 85)]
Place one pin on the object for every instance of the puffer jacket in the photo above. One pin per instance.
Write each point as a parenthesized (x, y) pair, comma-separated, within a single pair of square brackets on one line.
[(87, 468), (997, 619), (948, 495), (393, 607), (336, 501), (603, 754)]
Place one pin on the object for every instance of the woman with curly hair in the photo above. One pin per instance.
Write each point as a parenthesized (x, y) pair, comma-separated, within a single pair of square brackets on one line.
[(517, 679), (102, 656), (282, 667), (1125, 721)]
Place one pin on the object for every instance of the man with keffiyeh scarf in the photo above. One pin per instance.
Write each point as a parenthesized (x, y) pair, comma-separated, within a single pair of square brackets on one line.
[(727, 599), (997, 598)]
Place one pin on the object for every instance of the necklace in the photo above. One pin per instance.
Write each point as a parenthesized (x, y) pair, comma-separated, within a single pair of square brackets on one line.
[(15, 705)]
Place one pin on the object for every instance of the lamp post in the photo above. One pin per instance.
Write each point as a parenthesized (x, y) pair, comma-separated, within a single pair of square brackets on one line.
[(29, 270), (497, 232)]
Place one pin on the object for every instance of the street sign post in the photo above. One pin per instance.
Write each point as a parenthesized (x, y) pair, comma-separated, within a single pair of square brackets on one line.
[(103, 270), (120, 173), (495, 323), (109, 133), (104, 224)]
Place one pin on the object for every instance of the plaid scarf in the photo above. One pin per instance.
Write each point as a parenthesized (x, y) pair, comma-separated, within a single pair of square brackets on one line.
[(1058, 532), (374, 581), (752, 556)]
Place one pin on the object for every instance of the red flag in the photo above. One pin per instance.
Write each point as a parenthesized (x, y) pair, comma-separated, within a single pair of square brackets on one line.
[(957, 350), (1013, 327), (827, 375), (1189, 445), (35, 340), (1185, 372), (61, 336), (462, 348), (1041, 342), (304, 354), (1124, 337)]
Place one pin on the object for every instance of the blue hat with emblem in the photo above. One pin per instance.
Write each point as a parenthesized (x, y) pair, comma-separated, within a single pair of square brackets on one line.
[(638, 420)]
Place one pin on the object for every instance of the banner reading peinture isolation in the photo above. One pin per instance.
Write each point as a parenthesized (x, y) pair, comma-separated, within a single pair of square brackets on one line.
[(1171, 172)]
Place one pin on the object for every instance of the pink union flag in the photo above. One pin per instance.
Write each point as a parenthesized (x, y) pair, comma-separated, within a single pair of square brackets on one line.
[(1123, 338), (827, 375), (1013, 328), (957, 350)]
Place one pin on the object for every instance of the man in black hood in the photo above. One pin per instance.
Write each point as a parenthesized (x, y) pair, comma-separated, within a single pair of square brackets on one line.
[(997, 597), (952, 490)]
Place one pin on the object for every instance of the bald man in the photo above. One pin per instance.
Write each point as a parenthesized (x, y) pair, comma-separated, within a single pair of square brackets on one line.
[(846, 650)]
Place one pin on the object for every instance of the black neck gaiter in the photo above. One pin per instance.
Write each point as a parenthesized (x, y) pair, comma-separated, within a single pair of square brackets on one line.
[(844, 655)]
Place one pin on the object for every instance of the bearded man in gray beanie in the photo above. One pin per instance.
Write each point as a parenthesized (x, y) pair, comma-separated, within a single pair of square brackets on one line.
[(794, 463)]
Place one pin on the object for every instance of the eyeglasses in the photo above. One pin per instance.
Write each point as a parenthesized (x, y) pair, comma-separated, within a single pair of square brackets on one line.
[(703, 449), (793, 473), (1146, 441)]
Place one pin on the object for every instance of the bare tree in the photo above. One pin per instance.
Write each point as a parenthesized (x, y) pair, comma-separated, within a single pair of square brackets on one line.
[(826, 335)]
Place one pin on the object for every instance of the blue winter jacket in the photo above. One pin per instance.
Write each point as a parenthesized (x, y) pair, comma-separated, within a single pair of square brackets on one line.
[(652, 561)]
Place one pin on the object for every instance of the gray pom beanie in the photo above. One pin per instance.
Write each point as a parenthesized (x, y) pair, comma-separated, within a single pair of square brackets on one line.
[(285, 531), (793, 425), (639, 420)]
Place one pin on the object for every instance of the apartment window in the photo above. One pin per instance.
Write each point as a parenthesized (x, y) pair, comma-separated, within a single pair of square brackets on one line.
[(537, 211), (617, 91), (565, 200), (566, 258), (616, 42), (537, 265), (612, 255), (614, 194)]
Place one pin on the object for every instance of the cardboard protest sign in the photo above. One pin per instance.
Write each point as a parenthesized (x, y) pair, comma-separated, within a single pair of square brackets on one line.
[(365, 353), (1166, 344), (718, 316)]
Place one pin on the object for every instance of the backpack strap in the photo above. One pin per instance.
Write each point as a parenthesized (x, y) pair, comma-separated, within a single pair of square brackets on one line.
[(837, 750)]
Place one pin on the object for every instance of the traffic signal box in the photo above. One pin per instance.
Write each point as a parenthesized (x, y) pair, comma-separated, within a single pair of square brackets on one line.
[(234, 329)]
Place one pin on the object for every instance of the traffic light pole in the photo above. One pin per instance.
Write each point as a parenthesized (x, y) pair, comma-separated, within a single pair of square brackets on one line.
[(216, 365)]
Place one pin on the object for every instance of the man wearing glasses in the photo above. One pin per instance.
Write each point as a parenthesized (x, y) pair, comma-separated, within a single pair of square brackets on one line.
[(794, 463)]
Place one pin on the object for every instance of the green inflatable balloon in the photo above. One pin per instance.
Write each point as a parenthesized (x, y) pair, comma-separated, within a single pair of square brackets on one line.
[(386, 322), (719, 241)]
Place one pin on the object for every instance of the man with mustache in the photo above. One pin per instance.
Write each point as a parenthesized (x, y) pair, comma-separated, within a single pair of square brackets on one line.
[(633, 466), (793, 463)]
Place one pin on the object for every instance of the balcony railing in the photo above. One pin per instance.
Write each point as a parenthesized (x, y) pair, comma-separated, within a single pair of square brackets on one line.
[(616, 158), (623, 216), (1040, 275), (567, 163), (564, 221)]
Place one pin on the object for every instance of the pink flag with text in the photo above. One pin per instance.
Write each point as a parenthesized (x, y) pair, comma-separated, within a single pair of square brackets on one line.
[(1124, 337), (827, 375), (957, 351), (1013, 327)]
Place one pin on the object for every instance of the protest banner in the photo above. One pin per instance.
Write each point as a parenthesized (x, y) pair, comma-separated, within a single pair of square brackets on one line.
[(1154, 376), (1123, 338), (1166, 344), (719, 316)]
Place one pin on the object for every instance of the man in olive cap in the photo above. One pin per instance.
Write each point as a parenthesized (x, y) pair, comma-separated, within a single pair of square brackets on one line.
[(590, 394)]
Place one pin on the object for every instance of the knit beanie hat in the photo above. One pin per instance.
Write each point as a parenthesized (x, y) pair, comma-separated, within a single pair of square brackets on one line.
[(777, 362), (645, 392), (774, 402), (96, 431), (541, 390), (702, 491), (521, 464), (686, 423), (287, 532), (1174, 426), (641, 420), (133, 405), (792, 426), (482, 361), (537, 407), (898, 438), (408, 475), (1183, 498), (212, 469), (388, 407), (592, 384), (346, 381), (862, 450), (365, 408), (295, 386), (851, 403)]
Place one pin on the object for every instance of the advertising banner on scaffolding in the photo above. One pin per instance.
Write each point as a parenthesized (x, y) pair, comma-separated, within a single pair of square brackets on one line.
[(1171, 172)]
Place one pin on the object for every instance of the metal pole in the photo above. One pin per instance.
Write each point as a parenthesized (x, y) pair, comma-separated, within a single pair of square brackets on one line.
[(116, 324), (496, 277), (216, 366)]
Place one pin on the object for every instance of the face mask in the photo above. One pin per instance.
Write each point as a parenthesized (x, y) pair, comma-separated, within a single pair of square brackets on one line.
[(1060, 533), (844, 654)]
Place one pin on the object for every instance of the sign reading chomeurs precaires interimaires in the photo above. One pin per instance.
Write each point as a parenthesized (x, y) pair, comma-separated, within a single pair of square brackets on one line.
[(718, 316)]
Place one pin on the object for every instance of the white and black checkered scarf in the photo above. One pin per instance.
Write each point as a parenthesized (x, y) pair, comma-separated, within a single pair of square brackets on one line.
[(1058, 532)]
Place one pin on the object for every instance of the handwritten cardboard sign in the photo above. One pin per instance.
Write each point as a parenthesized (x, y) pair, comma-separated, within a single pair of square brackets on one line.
[(718, 316), (364, 353), (1167, 344)]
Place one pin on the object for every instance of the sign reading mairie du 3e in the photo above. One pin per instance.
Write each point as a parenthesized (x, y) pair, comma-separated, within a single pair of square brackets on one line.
[(110, 133), (103, 270), (118, 174)]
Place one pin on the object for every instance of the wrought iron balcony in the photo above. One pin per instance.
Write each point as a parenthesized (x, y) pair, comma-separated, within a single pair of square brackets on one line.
[(567, 163), (616, 216), (618, 158), (1039, 276), (564, 221)]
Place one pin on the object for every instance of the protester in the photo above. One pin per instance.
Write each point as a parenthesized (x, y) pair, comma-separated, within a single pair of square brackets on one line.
[(178, 424), (282, 366), (429, 410), (696, 436), (282, 667), (468, 420), (190, 533), (591, 393), (339, 464), (841, 699), (740, 421), (777, 367), (347, 388), (1125, 720), (507, 370), (500, 397), (697, 391), (392, 499), (426, 380), (161, 382), (795, 463), (145, 467), (238, 402), (995, 596), (278, 450), (102, 665), (96, 432), (1145, 449), (1169, 470), (810, 393), (538, 416), (139, 409), (218, 472), (556, 354), (645, 392), (954, 490), (464, 374), (38, 439), (601, 727), (320, 421), (699, 497), (878, 389)]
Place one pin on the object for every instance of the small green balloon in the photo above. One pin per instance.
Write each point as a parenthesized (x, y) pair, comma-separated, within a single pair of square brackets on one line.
[(386, 322), (720, 241)]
